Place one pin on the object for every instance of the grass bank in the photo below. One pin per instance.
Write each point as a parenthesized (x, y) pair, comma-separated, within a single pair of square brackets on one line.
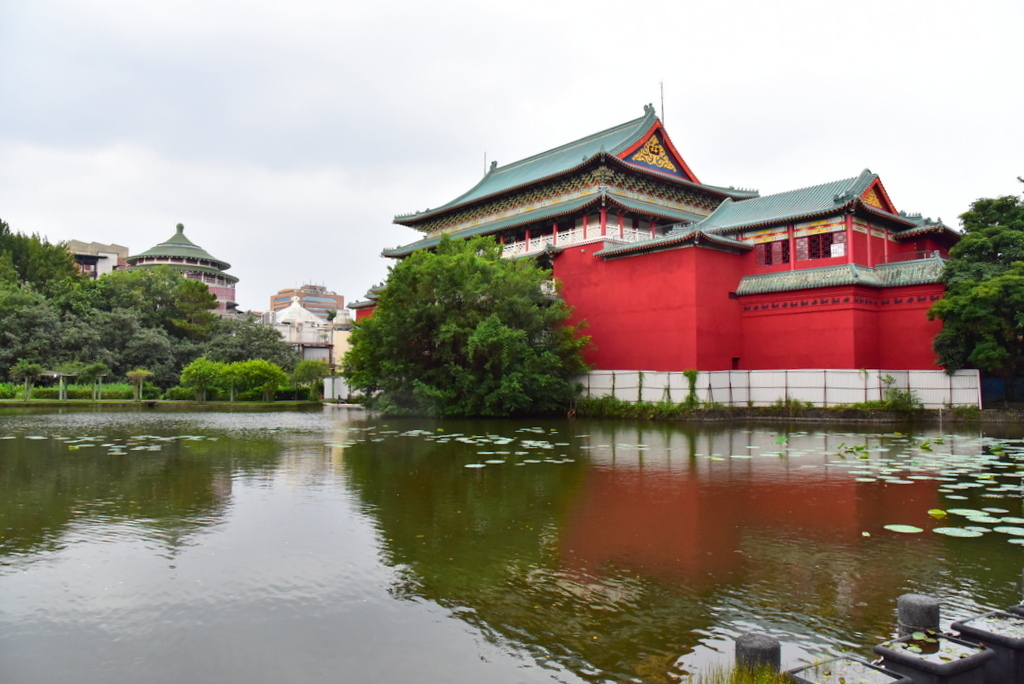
[(609, 407), (161, 404)]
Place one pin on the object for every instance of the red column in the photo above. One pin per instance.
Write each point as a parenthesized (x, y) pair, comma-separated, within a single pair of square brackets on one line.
[(792, 247), (870, 238), (604, 221), (849, 238), (652, 227), (554, 233), (621, 228), (885, 244), (528, 240)]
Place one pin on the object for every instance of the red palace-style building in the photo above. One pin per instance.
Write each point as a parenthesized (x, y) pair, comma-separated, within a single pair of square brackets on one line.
[(671, 273)]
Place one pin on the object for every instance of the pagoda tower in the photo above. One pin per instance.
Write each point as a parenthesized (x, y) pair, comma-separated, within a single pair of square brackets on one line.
[(193, 262)]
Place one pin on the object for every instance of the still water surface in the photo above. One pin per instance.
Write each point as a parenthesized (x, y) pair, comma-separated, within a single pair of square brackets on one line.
[(327, 546)]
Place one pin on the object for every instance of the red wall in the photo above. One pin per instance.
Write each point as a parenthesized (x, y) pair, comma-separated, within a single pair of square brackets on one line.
[(904, 331), (821, 328), (648, 312), (672, 310)]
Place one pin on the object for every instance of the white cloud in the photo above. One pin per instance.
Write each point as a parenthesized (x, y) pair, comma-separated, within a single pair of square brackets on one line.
[(287, 135)]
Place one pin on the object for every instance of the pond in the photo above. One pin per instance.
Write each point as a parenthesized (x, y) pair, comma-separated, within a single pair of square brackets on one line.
[(326, 545)]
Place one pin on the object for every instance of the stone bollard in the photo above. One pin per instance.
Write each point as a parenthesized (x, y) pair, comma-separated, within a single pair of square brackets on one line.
[(917, 613), (758, 650)]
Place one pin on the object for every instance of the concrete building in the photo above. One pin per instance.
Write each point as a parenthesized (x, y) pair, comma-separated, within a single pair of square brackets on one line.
[(95, 259), (314, 298), (314, 337)]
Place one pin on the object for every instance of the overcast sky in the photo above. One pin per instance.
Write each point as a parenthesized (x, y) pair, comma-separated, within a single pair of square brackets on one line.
[(287, 135)]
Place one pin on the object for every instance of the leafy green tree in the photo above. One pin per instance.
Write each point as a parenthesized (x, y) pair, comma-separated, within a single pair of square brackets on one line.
[(27, 372), (233, 377), (149, 292), (260, 375), (310, 372), (201, 376), (194, 304), (94, 373), (982, 311), (30, 327), (463, 331), (239, 340), (137, 378), (34, 262)]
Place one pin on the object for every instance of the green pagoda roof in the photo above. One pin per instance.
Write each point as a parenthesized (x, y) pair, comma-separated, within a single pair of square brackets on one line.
[(676, 237), (804, 203), (179, 246), (897, 274), (549, 212), (611, 142)]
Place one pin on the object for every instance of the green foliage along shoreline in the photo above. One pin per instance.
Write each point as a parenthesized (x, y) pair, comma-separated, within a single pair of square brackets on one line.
[(462, 331), (153, 320)]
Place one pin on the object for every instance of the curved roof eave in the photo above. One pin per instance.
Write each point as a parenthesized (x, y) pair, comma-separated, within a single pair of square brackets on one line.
[(544, 165), (672, 240), (410, 219)]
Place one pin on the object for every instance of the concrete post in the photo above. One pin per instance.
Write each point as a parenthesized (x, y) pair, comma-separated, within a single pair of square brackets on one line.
[(917, 613), (758, 650)]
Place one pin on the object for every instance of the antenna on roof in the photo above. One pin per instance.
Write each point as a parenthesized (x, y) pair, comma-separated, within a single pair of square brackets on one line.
[(662, 85), (485, 163)]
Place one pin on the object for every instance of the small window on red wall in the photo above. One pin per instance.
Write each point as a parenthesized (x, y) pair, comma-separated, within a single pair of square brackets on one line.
[(770, 253), (822, 246)]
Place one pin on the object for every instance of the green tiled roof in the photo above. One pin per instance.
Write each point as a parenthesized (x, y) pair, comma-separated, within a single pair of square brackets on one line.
[(926, 226), (915, 272), (673, 238), (550, 211), (653, 208), (817, 200), (179, 246), (548, 164), (191, 268), (611, 141)]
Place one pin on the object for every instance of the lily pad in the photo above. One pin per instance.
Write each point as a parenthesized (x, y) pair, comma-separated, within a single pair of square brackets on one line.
[(956, 532), (1006, 529), (904, 529), (965, 511), (986, 519)]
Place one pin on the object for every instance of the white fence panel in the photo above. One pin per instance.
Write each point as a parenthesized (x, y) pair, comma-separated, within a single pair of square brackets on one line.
[(966, 388), (655, 386), (335, 387), (739, 382), (923, 380), (829, 387), (848, 395), (627, 385)]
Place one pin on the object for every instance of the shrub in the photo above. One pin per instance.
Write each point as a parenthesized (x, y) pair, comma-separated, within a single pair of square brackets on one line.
[(8, 390), (180, 393)]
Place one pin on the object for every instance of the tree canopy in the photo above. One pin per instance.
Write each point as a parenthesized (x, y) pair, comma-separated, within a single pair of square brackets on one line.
[(462, 331), (983, 308), (150, 318)]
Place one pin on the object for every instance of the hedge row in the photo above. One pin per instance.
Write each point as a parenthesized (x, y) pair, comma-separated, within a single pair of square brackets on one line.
[(123, 391)]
